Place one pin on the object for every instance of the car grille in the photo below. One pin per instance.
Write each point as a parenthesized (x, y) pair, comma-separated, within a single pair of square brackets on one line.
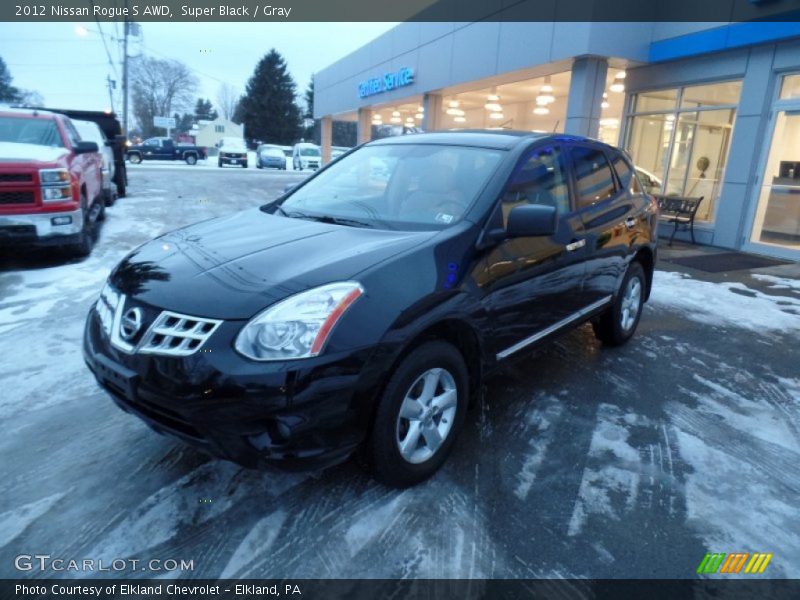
[(169, 334), (15, 177), (173, 334), (17, 198), (227, 155)]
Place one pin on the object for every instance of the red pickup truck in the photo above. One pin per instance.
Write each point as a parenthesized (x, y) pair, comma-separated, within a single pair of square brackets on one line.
[(50, 182)]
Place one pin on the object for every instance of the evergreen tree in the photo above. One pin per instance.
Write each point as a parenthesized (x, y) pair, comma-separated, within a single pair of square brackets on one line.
[(268, 108), (8, 93), (204, 111)]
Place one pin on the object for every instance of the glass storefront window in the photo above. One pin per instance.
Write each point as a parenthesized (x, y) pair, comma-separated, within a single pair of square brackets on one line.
[(715, 94), (778, 215), (658, 100), (684, 151), (790, 87)]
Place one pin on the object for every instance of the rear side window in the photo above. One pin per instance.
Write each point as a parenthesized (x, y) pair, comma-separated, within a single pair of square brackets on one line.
[(625, 174), (593, 177), (541, 179)]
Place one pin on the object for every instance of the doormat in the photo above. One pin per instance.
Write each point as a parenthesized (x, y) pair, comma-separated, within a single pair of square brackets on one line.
[(726, 261)]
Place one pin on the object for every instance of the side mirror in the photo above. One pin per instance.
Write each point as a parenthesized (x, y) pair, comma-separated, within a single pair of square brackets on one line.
[(531, 220), (85, 148)]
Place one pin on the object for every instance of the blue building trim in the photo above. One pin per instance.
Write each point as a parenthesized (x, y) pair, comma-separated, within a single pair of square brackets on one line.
[(726, 37)]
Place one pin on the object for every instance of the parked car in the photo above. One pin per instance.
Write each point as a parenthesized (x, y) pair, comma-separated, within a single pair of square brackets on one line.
[(270, 157), (232, 151), (91, 132), (355, 313), (163, 148), (51, 182), (652, 183), (306, 156)]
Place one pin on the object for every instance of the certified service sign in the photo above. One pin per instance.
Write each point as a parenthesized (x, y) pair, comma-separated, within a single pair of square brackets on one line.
[(389, 81)]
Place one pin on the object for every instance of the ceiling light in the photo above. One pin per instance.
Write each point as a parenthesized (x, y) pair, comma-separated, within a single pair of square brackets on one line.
[(547, 88), (605, 95), (457, 112), (453, 104), (609, 122), (396, 120), (419, 115), (493, 106), (541, 110), (620, 75), (604, 104), (670, 117), (420, 109), (395, 113), (493, 98), (459, 119), (617, 87), (496, 115)]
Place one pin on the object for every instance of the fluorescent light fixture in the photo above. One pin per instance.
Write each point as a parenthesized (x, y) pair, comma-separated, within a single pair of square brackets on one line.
[(604, 104), (419, 115), (456, 112), (493, 98), (396, 120), (617, 87), (453, 104), (493, 106), (496, 115), (541, 110), (609, 122), (620, 75), (459, 119), (395, 113)]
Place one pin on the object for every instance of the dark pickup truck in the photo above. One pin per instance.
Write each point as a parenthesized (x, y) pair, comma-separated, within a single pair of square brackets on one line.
[(163, 148)]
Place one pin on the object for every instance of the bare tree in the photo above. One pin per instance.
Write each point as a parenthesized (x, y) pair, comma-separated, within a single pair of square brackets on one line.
[(227, 99), (160, 88)]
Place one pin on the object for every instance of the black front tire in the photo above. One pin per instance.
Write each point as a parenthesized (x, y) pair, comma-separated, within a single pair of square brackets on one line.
[(381, 451), (83, 247), (609, 327), (219, 163), (244, 165)]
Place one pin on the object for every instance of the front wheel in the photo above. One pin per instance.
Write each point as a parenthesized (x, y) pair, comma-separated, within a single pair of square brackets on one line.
[(219, 163), (419, 416), (244, 165), (85, 243), (191, 159), (618, 324), (135, 159)]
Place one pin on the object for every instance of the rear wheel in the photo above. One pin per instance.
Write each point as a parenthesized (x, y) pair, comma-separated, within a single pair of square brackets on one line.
[(419, 416), (191, 159), (618, 324), (245, 165), (135, 159), (219, 163)]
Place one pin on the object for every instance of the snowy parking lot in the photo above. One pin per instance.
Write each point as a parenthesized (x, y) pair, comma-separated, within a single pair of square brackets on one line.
[(579, 461)]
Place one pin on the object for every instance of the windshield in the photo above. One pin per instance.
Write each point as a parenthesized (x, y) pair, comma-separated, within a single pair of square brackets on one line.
[(275, 152), (400, 186), (309, 152), (24, 130)]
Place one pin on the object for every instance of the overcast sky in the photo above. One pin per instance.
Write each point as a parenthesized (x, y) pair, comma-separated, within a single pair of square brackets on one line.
[(70, 71)]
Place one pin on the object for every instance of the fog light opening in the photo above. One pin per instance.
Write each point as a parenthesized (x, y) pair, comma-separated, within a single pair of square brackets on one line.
[(61, 220)]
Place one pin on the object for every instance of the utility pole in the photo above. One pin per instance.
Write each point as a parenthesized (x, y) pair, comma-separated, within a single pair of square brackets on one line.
[(112, 84), (125, 74)]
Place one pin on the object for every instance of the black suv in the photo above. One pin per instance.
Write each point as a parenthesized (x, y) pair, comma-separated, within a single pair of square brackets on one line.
[(361, 309)]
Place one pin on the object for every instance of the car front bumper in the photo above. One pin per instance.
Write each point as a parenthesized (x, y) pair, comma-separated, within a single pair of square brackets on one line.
[(229, 160), (40, 228), (305, 414)]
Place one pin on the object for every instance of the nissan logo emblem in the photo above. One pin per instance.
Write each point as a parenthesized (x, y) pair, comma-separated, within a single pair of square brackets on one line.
[(131, 324)]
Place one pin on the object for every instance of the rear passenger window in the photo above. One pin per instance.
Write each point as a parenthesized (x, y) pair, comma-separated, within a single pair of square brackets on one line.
[(625, 174), (593, 176), (540, 180)]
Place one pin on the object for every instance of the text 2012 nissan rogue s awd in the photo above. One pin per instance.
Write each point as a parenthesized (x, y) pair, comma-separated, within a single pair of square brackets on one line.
[(361, 309)]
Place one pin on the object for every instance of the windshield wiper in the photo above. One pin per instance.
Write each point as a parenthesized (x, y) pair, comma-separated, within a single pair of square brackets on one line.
[(325, 219)]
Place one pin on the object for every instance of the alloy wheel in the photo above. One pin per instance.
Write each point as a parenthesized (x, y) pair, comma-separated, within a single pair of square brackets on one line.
[(426, 415), (631, 303)]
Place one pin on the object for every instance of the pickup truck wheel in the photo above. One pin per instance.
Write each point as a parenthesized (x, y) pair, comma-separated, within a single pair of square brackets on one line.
[(219, 163), (83, 247), (419, 416), (245, 165), (101, 211), (135, 158), (618, 324), (191, 159)]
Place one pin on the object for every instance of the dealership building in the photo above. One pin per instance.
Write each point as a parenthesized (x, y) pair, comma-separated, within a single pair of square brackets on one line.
[(705, 109)]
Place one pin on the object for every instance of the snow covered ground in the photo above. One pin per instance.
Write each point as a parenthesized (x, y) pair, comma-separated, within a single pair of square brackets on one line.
[(579, 461)]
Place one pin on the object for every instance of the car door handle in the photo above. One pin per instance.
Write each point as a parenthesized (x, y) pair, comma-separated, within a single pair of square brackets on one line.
[(572, 246), (630, 222)]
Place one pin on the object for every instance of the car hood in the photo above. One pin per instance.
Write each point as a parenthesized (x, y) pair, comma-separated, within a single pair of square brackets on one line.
[(232, 267), (18, 152)]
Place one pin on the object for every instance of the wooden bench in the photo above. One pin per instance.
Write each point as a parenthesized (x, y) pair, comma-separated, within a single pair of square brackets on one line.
[(679, 210)]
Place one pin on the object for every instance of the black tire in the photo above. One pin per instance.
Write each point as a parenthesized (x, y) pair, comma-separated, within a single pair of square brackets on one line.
[(135, 158), (83, 247), (191, 159), (109, 197), (258, 164), (609, 327), (245, 165), (382, 451), (219, 163), (101, 214)]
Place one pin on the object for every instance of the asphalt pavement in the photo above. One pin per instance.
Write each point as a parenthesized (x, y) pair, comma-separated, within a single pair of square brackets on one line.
[(579, 461)]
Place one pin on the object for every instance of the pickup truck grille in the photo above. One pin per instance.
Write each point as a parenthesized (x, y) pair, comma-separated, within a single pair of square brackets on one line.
[(15, 177), (17, 198)]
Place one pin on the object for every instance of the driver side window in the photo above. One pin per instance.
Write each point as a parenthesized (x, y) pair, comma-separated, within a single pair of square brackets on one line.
[(540, 179)]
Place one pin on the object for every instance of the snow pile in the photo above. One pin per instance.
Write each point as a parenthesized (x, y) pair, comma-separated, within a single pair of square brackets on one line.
[(725, 304)]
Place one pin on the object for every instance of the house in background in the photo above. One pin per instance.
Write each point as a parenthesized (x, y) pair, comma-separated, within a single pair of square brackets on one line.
[(210, 133)]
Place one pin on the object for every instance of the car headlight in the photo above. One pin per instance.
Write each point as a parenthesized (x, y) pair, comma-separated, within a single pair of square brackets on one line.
[(53, 176), (298, 326)]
